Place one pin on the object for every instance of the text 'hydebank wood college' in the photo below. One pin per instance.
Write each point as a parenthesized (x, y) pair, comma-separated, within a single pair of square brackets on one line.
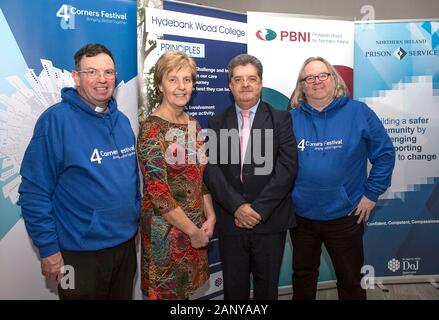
[(189, 25)]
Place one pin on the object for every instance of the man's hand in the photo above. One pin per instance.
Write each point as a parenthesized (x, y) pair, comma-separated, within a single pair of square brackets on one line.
[(246, 217), (364, 209), (51, 267)]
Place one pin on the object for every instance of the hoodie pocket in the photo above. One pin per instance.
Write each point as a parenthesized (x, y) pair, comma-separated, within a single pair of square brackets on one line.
[(321, 203), (111, 223)]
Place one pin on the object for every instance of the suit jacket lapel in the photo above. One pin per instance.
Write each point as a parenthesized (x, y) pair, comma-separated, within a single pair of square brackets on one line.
[(261, 116), (259, 123), (231, 122)]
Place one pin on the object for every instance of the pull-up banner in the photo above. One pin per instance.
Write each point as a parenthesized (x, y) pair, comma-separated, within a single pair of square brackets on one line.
[(283, 42), (397, 74), (212, 37)]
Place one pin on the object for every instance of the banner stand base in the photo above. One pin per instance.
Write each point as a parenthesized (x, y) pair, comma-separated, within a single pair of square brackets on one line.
[(434, 284), (379, 282)]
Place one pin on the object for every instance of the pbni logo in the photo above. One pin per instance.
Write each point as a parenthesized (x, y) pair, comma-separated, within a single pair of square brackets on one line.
[(399, 53), (67, 18), (268, 35)]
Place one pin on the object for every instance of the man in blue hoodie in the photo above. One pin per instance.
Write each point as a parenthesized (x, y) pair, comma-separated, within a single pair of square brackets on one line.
[(80, 194), (333, 194)]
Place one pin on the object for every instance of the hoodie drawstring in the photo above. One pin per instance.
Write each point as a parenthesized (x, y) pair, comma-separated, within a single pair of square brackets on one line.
[(108, 118)]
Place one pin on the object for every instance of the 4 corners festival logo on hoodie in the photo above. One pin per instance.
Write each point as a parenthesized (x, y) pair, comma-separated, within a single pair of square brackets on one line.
[(97, 155), (266, 35)]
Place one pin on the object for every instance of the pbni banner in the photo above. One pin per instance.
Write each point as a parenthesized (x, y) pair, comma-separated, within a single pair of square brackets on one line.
[(212, 37), (39, 39), (397, 74), (283, 42)]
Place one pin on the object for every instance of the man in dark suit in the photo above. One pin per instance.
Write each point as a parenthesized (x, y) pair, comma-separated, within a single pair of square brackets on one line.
[(250, 177)]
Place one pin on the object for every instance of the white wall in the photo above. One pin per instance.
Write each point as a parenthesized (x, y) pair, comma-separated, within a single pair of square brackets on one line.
[(24, 279)]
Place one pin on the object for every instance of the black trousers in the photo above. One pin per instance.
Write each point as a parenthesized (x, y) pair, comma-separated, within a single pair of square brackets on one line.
[(257, 254), (102, 274), (343, 239)]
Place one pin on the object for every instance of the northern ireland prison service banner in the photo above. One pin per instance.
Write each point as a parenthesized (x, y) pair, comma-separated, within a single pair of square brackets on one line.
[(397, 75), (283, 42), (39, 39), (212, 37)]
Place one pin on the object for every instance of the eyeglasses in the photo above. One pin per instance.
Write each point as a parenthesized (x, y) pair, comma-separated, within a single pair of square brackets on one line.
[(321, 76), (93, 73)]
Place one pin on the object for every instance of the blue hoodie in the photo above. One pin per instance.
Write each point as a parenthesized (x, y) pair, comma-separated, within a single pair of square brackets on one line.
[(80, 186), (333, 148)]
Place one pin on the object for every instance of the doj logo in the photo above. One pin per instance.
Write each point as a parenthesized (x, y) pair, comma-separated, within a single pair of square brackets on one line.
[(393, 265), (407, 265)]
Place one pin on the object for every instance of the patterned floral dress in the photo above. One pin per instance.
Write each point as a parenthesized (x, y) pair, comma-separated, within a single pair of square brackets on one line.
[(172, 176)]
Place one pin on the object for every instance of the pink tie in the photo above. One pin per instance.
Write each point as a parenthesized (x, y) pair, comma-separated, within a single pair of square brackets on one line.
[(244, 134)]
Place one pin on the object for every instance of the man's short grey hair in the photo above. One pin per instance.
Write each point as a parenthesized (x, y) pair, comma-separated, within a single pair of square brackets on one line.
[(243, 60)]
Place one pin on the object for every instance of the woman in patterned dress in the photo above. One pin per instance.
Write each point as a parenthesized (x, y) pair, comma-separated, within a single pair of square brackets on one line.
[(177, 217)]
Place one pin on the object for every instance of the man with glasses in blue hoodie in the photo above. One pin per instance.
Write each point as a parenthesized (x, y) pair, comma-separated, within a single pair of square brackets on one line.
[(333, 194), (79, 194)]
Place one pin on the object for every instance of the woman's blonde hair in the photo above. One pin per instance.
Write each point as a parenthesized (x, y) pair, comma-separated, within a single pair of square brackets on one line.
[(171, 60), (299, 94)]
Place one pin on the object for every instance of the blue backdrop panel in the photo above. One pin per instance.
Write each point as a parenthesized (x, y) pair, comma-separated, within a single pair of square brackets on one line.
[(397, 74)]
